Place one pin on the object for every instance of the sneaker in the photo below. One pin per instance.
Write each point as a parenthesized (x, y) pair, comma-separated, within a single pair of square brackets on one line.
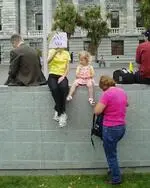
[(63, 120), (69, 98), (56, 117), (91, 101)]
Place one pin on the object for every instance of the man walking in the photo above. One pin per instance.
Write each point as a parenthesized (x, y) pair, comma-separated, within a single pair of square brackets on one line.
[(25, 67)]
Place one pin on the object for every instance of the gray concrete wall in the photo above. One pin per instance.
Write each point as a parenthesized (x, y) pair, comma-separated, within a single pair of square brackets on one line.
[(30, 139)]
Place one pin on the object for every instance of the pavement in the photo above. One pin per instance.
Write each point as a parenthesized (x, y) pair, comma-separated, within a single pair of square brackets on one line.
[(98, 72)]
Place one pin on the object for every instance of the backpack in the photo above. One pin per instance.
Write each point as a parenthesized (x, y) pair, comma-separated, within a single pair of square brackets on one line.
[(123, 76), (97, 127)]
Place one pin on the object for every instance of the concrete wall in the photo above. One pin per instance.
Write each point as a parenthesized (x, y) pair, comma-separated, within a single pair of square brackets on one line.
[(30, 139)]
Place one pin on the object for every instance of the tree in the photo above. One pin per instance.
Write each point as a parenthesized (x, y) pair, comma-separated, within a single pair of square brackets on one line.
[(145, 12), (96, 27), (65, 18)]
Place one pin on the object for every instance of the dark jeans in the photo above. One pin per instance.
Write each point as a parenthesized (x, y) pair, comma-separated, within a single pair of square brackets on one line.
[(111, 136), (59, 92), (140, 80)]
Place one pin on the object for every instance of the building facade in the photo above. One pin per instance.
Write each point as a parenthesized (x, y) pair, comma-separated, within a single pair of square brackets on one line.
[(25, 17)]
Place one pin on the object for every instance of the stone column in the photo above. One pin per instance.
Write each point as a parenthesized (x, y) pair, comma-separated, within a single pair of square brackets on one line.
[(23, 17), (103, 8), (130, 15), (49, 11), (76, 3)]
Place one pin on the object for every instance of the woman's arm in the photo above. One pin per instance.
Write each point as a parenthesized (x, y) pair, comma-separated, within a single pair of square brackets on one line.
[(67, 70), (65, 73), (99, 108)]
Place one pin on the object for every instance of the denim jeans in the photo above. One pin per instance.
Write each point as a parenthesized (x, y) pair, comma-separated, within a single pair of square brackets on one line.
[(111, 136)]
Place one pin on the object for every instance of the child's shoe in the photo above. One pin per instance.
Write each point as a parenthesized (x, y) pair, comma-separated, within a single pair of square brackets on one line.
[(91, 101)]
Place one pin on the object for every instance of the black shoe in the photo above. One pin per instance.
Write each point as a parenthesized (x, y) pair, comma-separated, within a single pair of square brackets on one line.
[(113, 183), (108, 172)]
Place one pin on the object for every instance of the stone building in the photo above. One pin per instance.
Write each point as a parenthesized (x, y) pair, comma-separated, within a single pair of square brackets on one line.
[(25, 17)]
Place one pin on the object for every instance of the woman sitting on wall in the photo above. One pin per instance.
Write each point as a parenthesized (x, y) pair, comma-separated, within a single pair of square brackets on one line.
[(58, 67), (112, 104)]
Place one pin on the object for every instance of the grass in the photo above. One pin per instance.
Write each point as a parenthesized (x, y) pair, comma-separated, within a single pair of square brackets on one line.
[(130, 181)]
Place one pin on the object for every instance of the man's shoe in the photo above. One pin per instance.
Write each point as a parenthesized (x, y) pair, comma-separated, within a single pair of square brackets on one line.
[(113, 183), (108, 172)]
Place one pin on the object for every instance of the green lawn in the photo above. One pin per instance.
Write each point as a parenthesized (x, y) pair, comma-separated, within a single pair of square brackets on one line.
[(130, 181)]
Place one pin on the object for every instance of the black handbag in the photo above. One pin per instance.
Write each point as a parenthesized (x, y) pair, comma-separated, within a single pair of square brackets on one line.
[(123, 76), (97, 127)]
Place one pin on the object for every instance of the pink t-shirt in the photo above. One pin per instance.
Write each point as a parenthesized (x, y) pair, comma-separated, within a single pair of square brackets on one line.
[(116, 102)]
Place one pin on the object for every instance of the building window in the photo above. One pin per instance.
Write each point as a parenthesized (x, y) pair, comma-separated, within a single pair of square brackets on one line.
[(0, 54), (38, 2), (114, 1), (117, 47), (139, 19), (0, 19), (86, 45), (39, 21), (114, 19), (35, 45)]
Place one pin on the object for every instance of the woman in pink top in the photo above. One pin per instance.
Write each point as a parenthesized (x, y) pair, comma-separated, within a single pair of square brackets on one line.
[(112, 104)]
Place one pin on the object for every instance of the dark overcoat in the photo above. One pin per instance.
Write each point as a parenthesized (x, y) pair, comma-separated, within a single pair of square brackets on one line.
[(25, 67)]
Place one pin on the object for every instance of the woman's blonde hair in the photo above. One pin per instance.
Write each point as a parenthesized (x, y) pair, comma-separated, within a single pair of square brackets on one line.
[(106, 82), (86, 55)]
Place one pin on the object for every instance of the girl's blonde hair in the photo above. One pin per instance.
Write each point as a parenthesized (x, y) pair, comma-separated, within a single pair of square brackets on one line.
[(106, 82), (86, 55)]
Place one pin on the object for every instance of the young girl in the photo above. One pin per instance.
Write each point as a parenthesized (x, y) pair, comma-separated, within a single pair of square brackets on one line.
[(84, 76)]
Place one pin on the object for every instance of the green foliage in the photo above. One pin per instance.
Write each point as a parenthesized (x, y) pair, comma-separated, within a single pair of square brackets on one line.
[(145, 12), (95, 26), (65, 18)]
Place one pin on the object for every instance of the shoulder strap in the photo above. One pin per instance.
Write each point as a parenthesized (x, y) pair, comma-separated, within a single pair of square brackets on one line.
[(93, 120), (92, 132)]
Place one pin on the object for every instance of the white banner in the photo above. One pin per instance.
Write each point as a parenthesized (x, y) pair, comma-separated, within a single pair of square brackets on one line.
[(58, 40)]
